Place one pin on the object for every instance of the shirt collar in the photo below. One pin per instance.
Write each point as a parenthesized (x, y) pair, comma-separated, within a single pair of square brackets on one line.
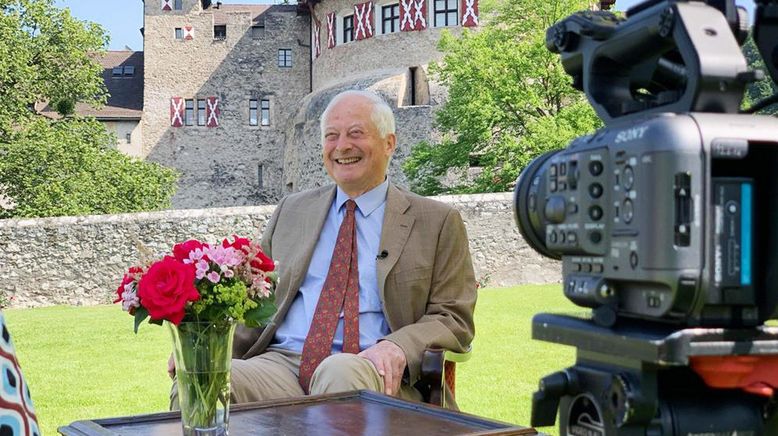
[(367, 202)]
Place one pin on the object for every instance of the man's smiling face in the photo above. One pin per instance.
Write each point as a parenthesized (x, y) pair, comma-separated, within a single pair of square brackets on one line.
[(355, 155)]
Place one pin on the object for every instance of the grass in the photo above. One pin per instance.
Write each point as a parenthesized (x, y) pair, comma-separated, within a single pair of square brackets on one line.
[(85, 362)]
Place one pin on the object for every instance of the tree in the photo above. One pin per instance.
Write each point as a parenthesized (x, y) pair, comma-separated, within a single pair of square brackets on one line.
[(509, 100), (66, 166)]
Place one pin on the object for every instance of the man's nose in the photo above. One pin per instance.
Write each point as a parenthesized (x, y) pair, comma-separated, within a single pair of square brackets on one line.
[(343, 143)]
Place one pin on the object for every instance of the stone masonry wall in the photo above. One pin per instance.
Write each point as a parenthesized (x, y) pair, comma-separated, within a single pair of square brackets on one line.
[(219, 166), (80, 260)]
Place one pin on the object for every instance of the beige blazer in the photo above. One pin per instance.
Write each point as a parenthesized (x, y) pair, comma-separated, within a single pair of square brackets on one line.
[(426, 282)]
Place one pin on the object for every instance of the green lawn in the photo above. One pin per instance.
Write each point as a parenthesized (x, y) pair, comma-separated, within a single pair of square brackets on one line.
[(85, 362)]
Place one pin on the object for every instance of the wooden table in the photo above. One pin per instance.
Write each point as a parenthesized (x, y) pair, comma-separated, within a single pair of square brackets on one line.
[(350, 413)]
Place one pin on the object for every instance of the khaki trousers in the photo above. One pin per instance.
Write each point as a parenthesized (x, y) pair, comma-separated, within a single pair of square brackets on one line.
[(274, 375)]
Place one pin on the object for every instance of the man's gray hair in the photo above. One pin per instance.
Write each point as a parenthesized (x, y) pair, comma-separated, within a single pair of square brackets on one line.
[(382, 115)]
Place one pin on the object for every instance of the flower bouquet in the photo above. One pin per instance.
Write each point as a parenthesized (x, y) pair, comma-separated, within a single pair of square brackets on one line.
[(202, 291)]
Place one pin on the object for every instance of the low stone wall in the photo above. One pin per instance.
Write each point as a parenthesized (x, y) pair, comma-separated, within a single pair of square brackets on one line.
[(80, 260)]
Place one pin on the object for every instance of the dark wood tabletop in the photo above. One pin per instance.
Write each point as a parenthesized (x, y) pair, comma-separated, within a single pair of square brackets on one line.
[(350, 413)]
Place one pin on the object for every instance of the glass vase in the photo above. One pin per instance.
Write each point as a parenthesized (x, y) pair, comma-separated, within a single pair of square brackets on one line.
[(203, 353)]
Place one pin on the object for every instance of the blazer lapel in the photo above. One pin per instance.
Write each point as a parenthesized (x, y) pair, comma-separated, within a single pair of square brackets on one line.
[(394, 234), (310, 226)]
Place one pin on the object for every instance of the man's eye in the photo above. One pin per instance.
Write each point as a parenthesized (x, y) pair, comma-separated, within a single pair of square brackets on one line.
[(355, 133), (330, 136)]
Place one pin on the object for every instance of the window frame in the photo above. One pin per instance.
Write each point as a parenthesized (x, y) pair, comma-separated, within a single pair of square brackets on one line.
[(349, 28), (393, 20), (253, 112), (264, 110), (178, 33), (220, 27), (201, 111), (189, 112), (285, 58), (446, 12), (178, 5)]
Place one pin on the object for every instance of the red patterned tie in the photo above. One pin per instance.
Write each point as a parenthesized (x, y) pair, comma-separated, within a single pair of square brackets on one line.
[(340, 291)]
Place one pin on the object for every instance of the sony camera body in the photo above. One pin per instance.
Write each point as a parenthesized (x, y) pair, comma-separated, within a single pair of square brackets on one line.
[(669, 212)]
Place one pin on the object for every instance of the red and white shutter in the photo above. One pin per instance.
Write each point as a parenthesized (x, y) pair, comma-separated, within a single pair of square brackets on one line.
[(413, 15), (316, 39), (176, 111), (363, 20), (469, 10), (167, 5), (212, 111), (331, 28), (188, 32)]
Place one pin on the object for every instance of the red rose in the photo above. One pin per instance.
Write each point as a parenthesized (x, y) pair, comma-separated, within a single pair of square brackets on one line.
[(166, 288), (238, 244), (263, 262), (129, 277), (260, 261), (181, 251)]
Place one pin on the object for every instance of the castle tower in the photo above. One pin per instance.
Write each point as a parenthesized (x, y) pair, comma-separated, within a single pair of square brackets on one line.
[(221, 82), (382, 45)]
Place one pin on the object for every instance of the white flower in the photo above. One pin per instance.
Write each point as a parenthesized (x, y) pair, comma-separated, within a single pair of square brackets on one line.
[(129, 297)]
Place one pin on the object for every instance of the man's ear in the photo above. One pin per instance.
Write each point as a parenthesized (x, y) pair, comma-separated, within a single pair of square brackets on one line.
[(391, 143)]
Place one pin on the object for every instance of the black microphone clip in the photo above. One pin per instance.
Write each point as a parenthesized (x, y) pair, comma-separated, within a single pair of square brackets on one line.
[(383, 255)]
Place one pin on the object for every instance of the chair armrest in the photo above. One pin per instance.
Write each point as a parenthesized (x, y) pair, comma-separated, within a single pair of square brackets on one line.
[(437, 368)]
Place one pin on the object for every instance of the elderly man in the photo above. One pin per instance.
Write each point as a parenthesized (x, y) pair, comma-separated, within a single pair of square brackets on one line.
[(369, 275)]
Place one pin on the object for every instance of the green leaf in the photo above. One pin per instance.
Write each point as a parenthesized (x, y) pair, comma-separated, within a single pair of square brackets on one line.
[(260, 315), (140, 315)]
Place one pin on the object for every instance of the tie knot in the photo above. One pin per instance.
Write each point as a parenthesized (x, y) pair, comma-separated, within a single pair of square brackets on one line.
[(351, 205)]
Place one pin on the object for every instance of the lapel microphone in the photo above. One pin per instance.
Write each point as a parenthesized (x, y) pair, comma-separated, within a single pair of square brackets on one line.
[(382, 255)]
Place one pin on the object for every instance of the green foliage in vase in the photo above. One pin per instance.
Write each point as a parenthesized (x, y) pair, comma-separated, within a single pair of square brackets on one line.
[(509, 101), (66, 166), (764, 88)]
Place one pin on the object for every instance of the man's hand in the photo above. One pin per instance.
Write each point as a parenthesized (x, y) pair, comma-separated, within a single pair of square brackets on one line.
[(389, 359), (171, 366)]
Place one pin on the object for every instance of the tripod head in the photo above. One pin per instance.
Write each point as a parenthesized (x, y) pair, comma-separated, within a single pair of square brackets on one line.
[(666, 56)]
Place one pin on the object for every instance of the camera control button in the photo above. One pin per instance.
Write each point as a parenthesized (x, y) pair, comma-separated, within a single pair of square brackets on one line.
[(629, 178), (595, 190), (552, 170), (595, 237), (597, 268), (587, 267), (563, 169), (572, 209), (628, 211), (577, 267), (633, 260), (562, 237), (552, 237), (595, 167), (552, 186), (595, 213), (555, 209), (572, 237)]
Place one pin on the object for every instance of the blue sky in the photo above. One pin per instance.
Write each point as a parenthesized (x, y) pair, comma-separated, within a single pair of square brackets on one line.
[(124, 18)]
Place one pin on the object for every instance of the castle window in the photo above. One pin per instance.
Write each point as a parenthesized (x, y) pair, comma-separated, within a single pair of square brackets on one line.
[(117, 72), (253, 120), (265, 111), (200, 112), (348, 28), (260, 175), (446, 13), (285, 57), (129, 70), (220, 32), (390, 18), (178, 5), (189, 113), (128, 138), (257, 31), (179, 33)]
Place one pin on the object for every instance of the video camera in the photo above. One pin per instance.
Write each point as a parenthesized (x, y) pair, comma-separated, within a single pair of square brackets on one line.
[(666, 223)]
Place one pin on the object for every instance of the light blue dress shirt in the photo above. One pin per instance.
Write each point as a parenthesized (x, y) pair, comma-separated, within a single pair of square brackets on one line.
[(372, 324)]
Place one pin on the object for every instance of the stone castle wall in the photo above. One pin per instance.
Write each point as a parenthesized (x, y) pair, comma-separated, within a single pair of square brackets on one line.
[(80, 260), (219, 166)]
